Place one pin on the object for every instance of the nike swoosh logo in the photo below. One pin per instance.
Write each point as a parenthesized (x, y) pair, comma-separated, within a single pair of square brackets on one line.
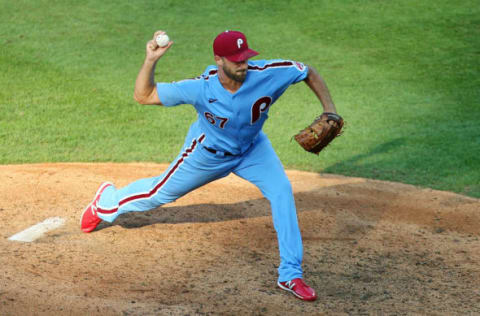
[(212, 100)]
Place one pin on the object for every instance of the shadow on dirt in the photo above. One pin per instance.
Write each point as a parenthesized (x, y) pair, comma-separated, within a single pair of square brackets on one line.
[(204, 213), (331, 201)]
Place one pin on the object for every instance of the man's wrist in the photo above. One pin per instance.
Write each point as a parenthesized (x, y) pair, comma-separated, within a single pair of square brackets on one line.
[(151, 62), (329, 109)]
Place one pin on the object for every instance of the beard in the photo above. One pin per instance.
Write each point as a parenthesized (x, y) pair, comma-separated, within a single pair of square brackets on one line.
[(238, 76)]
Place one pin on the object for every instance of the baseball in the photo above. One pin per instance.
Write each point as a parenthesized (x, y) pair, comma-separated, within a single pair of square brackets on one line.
[(162, 40)]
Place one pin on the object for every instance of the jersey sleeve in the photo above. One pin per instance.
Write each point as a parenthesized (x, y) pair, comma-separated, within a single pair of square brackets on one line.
[(297, 72), (181, 92), (285, 72)]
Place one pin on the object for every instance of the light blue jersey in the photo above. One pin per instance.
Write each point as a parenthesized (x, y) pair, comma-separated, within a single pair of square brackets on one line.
[(226, 138), (229, 121)]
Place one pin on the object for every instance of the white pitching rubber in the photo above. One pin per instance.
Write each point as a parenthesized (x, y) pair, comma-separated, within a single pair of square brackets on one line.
[(38, 230)]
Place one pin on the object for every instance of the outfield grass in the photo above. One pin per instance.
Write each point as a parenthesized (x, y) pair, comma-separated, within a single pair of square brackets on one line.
[(404, 74)]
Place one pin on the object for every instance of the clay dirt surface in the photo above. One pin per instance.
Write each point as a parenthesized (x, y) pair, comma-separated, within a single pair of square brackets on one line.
[(370, 247)]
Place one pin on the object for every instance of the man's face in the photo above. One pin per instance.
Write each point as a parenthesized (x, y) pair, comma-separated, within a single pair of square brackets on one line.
[(236, 71)]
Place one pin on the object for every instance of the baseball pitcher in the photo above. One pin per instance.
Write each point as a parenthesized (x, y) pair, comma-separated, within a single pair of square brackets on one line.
[(232, 99)]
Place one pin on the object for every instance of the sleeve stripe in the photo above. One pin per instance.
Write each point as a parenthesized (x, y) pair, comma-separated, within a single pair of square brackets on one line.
[(272, 65)]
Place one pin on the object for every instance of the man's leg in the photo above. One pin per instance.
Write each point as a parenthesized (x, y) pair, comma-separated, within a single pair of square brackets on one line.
[(190, 170), (261, 166)]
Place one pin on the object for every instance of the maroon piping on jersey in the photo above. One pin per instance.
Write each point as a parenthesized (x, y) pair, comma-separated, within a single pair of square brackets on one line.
[(257, 68), (152, 192), (272, 65)]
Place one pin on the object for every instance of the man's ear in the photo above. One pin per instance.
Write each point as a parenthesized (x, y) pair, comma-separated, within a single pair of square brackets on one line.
[(218, 60)]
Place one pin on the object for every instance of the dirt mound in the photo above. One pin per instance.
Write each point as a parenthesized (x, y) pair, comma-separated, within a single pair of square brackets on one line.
[(370, 247)]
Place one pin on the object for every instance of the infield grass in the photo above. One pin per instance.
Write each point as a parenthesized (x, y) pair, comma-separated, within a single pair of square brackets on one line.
[(404, 75)]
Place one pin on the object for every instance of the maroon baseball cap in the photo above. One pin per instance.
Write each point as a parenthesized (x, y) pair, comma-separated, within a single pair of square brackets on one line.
[(233, 46)]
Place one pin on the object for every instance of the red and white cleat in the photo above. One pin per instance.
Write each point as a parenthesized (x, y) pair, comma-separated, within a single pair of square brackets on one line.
[(298, 288), (90, 220)]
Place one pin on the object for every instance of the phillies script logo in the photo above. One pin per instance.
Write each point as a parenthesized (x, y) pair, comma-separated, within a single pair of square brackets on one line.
[(260, 106)]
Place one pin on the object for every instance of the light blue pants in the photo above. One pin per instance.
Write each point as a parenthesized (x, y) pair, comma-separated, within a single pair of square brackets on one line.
[(194, 167)]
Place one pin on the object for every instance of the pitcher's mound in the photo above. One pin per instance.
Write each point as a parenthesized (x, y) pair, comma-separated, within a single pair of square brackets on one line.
[(370, 247)]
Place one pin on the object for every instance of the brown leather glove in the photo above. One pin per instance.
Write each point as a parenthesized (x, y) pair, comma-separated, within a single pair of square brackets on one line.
[(320, 133)]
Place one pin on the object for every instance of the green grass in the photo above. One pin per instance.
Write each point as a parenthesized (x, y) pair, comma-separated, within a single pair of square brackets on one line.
[(404, 74)]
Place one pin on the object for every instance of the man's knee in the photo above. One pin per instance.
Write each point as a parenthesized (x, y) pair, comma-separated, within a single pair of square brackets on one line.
[(282, 188)]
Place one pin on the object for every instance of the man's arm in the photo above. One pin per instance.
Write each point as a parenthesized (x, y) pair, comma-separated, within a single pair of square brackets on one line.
[(319, 87), (145, 87)]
